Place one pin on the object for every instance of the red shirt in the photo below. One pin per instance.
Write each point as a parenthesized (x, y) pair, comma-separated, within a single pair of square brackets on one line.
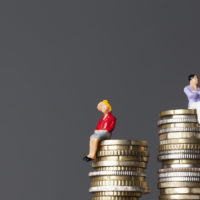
[(106, 123)]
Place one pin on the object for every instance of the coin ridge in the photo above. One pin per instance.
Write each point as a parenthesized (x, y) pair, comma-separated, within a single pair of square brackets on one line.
[(118, 193), (115, 198), (177, 120), (122, 153), (178, 184), (179, 174), (179, 156), (124, 142), (180, 197), (123, 158), (179, 129), (179, 146), (184, 169), (184, 190), (177, 179), (124, 173), (178, 112), (119, 168), (119, 163), (116, 188), (119, 183), (187, 151), (179, 135), (181, 141)]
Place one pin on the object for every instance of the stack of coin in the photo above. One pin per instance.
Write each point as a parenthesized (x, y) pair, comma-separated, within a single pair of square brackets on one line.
[(179, 152), (119, 170)]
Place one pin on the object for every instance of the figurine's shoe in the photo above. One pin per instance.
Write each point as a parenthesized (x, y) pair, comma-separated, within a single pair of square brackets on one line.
[(87, 159)]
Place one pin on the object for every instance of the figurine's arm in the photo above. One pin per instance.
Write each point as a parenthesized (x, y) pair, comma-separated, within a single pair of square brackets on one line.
[(189, 93), (111, 125)]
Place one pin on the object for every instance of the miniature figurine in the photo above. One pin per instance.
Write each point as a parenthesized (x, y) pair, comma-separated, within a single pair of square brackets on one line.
[(103, 130), (193, 93)]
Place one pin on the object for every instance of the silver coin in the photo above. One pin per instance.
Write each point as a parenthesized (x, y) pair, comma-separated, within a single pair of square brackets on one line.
[(177, 120), (179, 156), (183, 179), (116, 173), (179, 129), (117, 188), (179, 117), (179, 174)]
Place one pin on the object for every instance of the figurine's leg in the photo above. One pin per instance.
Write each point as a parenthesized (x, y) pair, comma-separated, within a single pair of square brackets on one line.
[(93, 147)]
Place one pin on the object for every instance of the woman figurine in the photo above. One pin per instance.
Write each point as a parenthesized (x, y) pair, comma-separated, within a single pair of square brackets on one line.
[(103, 130), (193, 93)]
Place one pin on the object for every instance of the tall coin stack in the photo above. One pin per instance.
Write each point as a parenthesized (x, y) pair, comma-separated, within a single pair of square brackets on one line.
[(119, 170), (179, 152)]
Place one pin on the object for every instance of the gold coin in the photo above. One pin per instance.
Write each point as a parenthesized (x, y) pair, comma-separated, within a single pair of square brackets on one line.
[(120, 168), (110, 178), (114, 198), (178, 184), (178, 196), (119, 163), (180, 141), (122, 158), (119, 183), (122, 153), (176, 166), (118, 147), (118, 193), (183, 169), (181, 135), (167, 147), (184, 190), (178, 125), (124, 142), (178, 112), (184, 161)]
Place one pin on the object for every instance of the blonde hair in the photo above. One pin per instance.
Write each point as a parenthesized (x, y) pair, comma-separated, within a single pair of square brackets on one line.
[(106, 102)]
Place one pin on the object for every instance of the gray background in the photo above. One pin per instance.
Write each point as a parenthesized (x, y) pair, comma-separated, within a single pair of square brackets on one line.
[(60, 58)]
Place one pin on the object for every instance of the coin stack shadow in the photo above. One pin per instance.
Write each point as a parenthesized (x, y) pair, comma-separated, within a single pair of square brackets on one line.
[(179, 152), (119, 170)]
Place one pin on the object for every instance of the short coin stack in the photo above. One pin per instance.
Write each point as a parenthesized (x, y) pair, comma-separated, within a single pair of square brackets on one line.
[(179, 152), (119, 170)]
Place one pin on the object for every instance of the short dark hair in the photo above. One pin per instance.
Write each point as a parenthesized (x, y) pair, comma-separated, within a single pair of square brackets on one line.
[(191, 76)]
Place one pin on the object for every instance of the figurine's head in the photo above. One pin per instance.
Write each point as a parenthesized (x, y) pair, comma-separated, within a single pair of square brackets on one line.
[(193, 78), (104, 107)]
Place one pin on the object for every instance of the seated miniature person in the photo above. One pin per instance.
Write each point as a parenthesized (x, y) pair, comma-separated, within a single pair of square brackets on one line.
[(103, 130), (193, 93)]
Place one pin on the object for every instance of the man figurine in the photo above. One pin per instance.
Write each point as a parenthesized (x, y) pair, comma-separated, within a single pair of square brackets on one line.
[(103, 130), (193, 93)]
